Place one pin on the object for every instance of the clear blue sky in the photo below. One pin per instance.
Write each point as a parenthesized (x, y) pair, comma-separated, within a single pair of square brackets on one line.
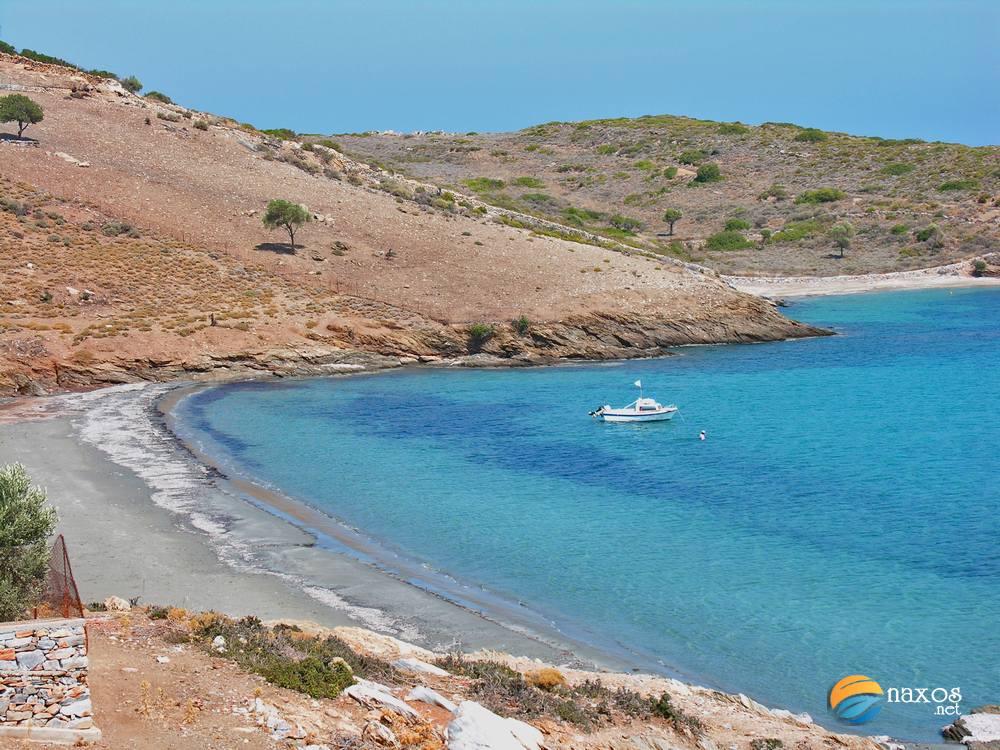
[(923, 68)]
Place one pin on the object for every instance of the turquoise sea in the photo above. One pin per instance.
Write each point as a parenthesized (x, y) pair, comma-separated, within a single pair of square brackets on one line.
[(841, 517)]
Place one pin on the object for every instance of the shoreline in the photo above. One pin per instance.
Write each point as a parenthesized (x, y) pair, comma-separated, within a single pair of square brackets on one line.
[(952, 275)]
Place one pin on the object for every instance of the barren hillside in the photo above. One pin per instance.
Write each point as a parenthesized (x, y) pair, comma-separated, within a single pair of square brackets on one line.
[(781, 189), (133, 247)]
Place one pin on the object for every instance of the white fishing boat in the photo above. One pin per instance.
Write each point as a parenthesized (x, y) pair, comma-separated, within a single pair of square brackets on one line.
[(640, 410)]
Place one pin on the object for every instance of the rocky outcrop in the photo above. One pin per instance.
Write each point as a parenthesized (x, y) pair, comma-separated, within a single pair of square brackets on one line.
[(358, 346), (979, 729)]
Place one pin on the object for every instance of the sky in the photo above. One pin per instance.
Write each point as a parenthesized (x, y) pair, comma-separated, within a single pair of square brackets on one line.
[(893, 68)]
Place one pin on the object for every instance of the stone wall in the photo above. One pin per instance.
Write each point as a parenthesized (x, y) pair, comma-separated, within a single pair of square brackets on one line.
[(43, 679)]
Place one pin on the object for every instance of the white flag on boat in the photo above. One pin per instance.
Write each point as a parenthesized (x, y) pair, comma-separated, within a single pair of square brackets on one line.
[(638, 384)]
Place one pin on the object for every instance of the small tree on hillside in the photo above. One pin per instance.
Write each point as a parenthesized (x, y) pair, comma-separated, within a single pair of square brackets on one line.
[(131, 84), (20, 109), (25, 527), (287, 215), (841, 235), (672, 216)]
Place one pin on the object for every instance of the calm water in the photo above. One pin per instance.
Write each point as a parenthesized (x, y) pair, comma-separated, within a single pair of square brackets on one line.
[(841, 517)]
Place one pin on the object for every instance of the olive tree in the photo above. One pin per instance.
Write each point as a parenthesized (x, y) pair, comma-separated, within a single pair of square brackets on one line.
[(20, 109), (286, 215), (672, 216), (25, 527), (841, 234)]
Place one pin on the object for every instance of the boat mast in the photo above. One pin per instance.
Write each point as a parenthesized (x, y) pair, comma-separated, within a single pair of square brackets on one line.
[(638, 384)]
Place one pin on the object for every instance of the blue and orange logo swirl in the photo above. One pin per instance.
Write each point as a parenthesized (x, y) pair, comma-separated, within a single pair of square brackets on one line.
[(856, 699)]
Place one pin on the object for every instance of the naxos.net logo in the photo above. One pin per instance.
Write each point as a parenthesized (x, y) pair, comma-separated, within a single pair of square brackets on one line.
[(857, 699)]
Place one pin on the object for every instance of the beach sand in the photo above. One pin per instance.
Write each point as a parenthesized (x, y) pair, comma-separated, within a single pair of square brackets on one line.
[(952, 275), (142, 517)]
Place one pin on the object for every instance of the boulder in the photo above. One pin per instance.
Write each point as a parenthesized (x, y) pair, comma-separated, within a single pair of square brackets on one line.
[(477, 728), (374, 695), (432, 697), (419, 667), (116, 603)]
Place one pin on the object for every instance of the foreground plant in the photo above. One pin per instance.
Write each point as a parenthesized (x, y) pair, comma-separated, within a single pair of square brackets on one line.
[(25, 527)]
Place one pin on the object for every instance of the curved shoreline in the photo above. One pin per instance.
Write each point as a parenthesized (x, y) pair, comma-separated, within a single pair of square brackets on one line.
[(336, 537)]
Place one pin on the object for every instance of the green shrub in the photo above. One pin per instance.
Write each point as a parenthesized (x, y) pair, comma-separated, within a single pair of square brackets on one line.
[(528, 182), (727, 240), (708, 173), (897, 168), (310, 676), (670, 172), (625, 223), (770, 743), (899, 229), (607, 149), (47, 59), (978, 268), (200, 125), (928, 232), (7, 48), (168, 116), (580, 216), (522, 325), (776, 191), (25, 527), (811, 135), (820, 195), (159, 96), (958, 185), (645, 165), (737, 225), (692, 156), (793, 231), (479, 334), (285, 134), (131, 84), (733, 128), (116, 228), (156, 612), (683, 722), (483, 184)]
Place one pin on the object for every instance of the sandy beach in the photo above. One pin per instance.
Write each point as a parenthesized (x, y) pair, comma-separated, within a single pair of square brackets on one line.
[(951, 275)]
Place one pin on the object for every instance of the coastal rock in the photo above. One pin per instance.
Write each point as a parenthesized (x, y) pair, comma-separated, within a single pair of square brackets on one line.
[(379, 734), (477, 728), (418, 667), (432, 697), (981, 725), (373, 695)]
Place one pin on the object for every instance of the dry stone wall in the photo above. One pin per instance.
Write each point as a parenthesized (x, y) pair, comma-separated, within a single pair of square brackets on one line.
[(43, 677)]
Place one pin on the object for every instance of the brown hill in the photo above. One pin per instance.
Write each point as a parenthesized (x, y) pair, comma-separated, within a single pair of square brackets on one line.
[(911, 204), (132, 246)]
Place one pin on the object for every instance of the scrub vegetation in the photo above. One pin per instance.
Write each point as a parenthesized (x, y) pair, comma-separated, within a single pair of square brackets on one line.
[(784, 189)]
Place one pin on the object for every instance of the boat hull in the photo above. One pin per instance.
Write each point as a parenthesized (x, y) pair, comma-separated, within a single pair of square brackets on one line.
[(660, 416)]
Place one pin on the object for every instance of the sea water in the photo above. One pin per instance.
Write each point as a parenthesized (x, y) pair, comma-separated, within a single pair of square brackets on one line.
[(840, 518)]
